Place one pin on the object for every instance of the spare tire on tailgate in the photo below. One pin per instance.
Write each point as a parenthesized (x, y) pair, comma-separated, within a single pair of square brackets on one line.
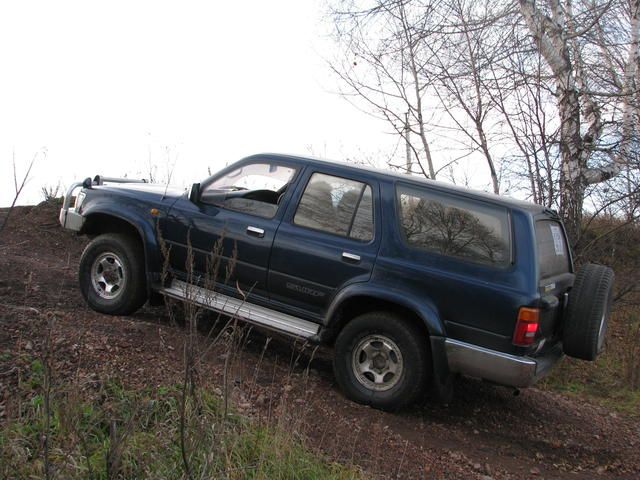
[(587, 314)]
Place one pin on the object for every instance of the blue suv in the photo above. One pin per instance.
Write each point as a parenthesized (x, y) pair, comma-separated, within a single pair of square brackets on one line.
[(410, 280)]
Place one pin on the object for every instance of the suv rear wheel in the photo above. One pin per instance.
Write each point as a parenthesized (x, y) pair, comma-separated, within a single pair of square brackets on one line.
[(112, 277), (382, 360), (587, 315)]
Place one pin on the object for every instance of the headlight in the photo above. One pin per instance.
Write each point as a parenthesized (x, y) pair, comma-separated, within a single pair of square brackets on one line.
[(79, 200)]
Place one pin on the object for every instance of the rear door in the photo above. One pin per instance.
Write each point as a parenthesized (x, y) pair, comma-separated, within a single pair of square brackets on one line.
[(328, 239), (555, 272)]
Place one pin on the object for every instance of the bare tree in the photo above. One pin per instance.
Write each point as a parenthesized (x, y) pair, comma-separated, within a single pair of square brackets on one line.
[(381, 62), (592, 52), (547, 87), (18, 185), (522, 98), (471, 42), (428, 60)]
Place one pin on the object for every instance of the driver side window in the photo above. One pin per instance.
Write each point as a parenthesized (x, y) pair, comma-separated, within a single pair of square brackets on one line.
[(256, 189)]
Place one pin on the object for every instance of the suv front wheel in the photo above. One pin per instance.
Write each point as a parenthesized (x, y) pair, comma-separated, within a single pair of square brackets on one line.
[(382, 360), (112, 277)]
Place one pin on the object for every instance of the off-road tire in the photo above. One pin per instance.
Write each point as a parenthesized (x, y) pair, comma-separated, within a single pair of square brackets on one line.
[(130, 255), (587, 314), (414, 349)]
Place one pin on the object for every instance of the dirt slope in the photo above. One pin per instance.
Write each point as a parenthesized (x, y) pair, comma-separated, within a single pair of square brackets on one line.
[(485, 433)]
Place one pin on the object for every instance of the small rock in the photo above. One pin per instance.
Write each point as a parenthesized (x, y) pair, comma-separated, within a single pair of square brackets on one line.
[(535, 471), (28, 345), (477, 466), (476, 432), (600, 470)]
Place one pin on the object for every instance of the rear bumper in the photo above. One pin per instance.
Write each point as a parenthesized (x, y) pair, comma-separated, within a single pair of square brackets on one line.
[(498, 367)]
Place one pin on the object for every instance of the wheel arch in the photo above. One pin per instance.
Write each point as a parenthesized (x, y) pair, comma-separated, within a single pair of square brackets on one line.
[(358, 299), (106, 221), (97, 223)]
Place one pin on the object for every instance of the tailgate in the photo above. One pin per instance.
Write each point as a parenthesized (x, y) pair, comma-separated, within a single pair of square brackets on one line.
[(555, 276)]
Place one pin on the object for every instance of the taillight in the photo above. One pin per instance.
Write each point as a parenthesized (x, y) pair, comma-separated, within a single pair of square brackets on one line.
[(526, 327)]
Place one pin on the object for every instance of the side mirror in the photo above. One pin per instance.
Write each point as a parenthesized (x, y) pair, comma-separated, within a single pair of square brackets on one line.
[(194, 193)]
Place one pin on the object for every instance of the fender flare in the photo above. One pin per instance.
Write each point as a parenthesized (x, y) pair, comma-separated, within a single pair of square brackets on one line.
[(145, 229), (423, 308)]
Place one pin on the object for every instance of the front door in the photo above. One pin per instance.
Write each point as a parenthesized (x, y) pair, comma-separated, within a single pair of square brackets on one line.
[(328, 239), (229, 231)]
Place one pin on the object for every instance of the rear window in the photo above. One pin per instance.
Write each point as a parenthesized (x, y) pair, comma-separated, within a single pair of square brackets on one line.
[(455, 227), (553, 255)]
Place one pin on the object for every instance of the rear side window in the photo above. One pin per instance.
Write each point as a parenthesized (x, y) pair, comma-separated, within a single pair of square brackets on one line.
[(337, 205), (455, 227), (553, 255)]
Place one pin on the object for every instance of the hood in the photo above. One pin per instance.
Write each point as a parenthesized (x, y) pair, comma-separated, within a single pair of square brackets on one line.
[(153, 192)]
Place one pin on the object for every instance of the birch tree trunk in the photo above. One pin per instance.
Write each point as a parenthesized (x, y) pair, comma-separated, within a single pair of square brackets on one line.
[(581, 127)]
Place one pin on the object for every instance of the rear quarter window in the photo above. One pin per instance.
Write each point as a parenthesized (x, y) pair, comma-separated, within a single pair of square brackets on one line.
[(455, 227), (553, 253)]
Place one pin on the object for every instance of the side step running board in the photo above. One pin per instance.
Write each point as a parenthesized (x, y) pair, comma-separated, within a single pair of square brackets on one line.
[(258, 315)]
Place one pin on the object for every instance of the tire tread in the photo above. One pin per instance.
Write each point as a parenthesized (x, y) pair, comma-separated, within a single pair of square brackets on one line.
[(590, 295), (136, 292), (416, 345)]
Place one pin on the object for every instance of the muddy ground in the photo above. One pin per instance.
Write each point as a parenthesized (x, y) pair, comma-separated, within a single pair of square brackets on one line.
[(486, 432)]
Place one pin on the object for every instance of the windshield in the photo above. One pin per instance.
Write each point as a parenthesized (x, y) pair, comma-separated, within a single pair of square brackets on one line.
[(256, 176)]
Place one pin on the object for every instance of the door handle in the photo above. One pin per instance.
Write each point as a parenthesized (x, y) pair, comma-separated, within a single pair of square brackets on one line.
[(352, 257), (255, 231)]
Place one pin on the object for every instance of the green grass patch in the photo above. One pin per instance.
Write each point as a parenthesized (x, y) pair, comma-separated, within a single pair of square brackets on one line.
[(120, 433), (605, 381)]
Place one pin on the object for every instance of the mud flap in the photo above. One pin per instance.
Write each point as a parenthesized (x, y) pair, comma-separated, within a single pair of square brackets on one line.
[(442, 378)]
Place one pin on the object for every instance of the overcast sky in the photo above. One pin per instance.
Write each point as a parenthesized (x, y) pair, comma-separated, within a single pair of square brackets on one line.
[(101, 86)]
